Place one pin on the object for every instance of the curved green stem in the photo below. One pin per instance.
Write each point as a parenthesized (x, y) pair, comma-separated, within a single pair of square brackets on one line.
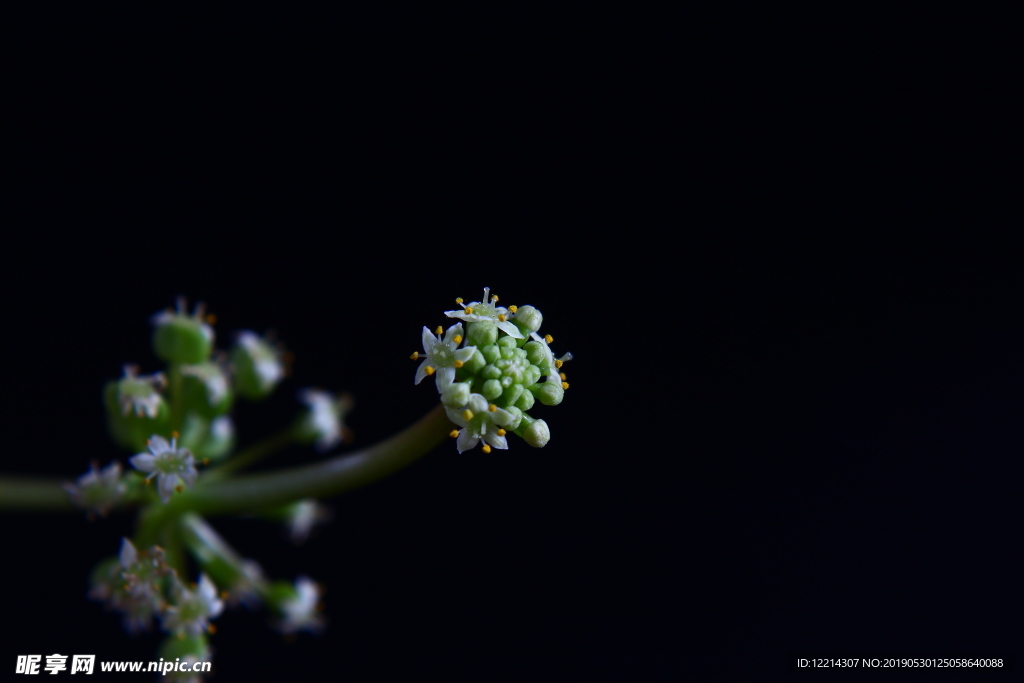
[(251, 455), (33, 493), (318, 480)]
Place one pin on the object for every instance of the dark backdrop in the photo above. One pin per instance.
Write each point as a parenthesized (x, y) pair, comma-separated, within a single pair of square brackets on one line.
[(785, 437)]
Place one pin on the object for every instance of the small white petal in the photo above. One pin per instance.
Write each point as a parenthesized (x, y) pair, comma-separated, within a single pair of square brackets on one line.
[(452, 331), (510, 329), (465, 353), (496, 441), (502, 417), (128, 554), (445, 376), (466, 441), (428, 339), (455, 415), (158, 444), (477, 403), (165, 486), (143, 462), (421, 371)]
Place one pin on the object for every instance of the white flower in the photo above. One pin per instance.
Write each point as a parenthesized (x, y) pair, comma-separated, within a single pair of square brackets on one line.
[(443, 355), (97, 491), (302, 517), (140, 394), (302, 611), (480, 420), (193, 609), (486, 311), (323, 423), (168, 463)]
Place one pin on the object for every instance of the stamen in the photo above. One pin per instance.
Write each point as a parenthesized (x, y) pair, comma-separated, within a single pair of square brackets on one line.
[(565, 385), (487, 449), (179, 488), (454, 433), (459, 301), (562, 376), (458, 364), (513, 308), (502, 432), (457, 339), (439, 330), (429, 370), (174, 434), (211, 629), (469, 310), (558, 363), (494, 298), (501, 317), (467, 414), (416, 356), (493, 408), (548, 338), (211, 319)]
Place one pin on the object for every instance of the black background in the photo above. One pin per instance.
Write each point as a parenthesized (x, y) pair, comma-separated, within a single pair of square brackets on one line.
[(786, 436)]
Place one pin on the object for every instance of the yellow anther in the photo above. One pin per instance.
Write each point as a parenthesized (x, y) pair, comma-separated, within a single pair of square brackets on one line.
[(439, 330), (565, 385), (429, 370), (211, 319), (558, 363), (561, 376), (501, 317), (467, 414), (502, 432), (494, 298), (224, 595), (458, 364), (454, 433), (469, 309), (206, 461), (457, 339), (415, 355), (548, 338), (174, 434), (493, 408), (211, 629), (487, 449), (459, 301), (513, 308), (179, 488)]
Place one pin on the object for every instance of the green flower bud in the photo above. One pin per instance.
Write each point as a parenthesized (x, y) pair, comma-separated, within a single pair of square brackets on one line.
[(491, 390), (175, 651), (528, 319), (548, 393), (525, 400), (258, 366), (506, 381), (135, 409), (517, 416), (474, 364), (491, 353), (535, 433), (182, 338), (206, 389), (507, 346), (490, 372), (531, 373), (217, 438), (536, 353), (511, 394), (481, 333), (456, 394)]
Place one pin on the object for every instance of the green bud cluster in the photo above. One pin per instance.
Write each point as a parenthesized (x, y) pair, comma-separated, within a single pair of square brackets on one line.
[(195, 394), (490, 376)]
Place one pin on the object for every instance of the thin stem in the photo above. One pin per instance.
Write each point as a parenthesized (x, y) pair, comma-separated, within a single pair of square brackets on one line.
[(319, 480), (33, 493), (251, 455), (177, 393)]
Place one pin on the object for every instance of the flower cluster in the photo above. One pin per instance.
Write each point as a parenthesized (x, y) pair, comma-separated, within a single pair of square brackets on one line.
[(492, 371)]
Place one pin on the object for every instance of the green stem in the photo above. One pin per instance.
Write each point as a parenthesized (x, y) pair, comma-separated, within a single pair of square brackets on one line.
[(319, 480), (177, 393), (251, 455), (33, 493)]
